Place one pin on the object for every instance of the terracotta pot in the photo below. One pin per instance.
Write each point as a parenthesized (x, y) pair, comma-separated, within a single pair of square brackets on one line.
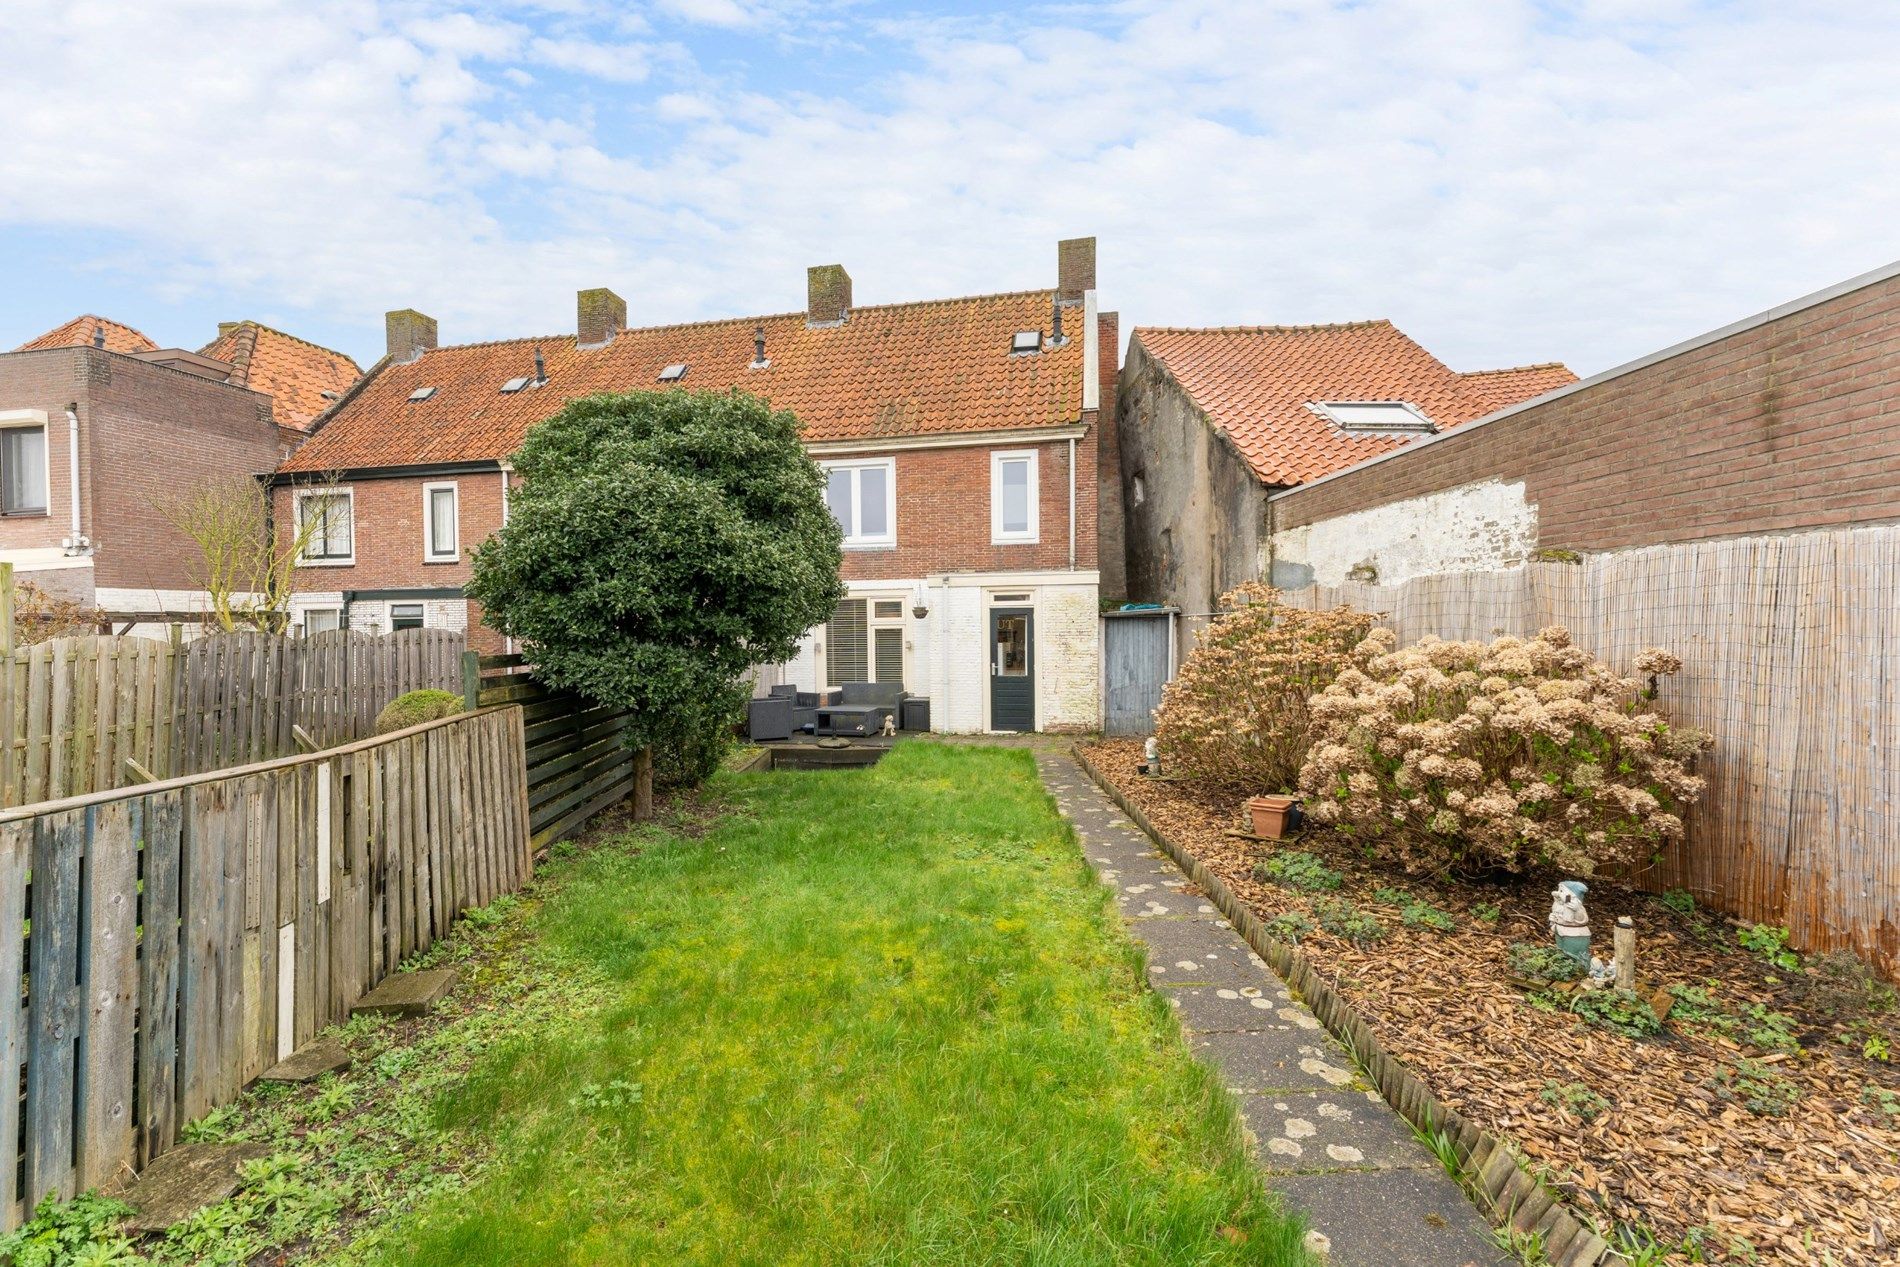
[(1273, 816)]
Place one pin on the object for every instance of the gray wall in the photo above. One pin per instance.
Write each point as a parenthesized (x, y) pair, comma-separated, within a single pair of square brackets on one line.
[(1198, 528)]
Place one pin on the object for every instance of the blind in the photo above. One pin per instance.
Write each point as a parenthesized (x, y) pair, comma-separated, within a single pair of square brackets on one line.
[(846, 658), (888, 644)]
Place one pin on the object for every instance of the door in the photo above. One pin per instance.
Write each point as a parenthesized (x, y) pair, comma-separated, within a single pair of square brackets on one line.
[(1134, 669), (1012, 668)]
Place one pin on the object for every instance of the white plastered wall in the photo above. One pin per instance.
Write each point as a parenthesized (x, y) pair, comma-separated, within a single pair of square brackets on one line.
[(1475, 528)]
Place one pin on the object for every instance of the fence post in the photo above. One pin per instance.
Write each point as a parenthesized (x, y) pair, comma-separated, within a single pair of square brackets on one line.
[(642, 784), (6, 609), (471, 680)]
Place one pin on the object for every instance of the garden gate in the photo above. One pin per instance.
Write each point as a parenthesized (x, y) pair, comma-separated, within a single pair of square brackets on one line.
[(1137, 661)]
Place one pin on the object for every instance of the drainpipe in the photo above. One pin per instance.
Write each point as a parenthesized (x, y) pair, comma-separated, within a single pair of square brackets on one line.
[(1072, 503), (77, 542)]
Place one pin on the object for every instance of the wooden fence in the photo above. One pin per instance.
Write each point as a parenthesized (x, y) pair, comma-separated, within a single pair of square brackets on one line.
[(577, 759), (186, 935), (1791, 659), (92, 713)]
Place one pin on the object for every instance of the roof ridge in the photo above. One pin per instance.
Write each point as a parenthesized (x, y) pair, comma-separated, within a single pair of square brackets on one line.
[(708, 322), (1516, 369), (294, 338), (1272, 329)]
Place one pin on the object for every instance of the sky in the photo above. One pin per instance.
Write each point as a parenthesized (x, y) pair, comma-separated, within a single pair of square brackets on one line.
[(1510, 181)]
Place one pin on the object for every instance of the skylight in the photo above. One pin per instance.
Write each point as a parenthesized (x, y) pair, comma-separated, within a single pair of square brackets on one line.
[(673, 373), (1376, 417), (1024, 342), (516, 384), (423, 393)]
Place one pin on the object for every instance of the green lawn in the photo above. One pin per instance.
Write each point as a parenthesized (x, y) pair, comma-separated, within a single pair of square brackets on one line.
[(875, 1016)]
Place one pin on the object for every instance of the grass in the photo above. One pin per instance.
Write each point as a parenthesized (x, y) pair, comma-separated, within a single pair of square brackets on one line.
[(876, 1016)]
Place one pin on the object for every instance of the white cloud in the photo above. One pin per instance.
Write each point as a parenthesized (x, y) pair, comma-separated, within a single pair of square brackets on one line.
[(1507, 185)]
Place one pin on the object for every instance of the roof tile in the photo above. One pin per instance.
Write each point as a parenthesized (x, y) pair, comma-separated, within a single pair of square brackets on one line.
[(293, 372), (78, 333)]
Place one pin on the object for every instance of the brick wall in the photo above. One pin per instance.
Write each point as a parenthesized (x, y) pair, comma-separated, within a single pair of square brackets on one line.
[(1112, 545), (1786, 424), (943, 514), (389, 533), (147, 433)]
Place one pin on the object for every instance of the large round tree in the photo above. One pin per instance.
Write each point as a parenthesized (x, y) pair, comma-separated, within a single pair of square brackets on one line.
[(660, 545)]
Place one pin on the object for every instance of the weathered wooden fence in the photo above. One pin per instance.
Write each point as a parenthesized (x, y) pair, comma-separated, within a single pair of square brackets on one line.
[(1791, 658), (186, 935), (87, 714), (577, 759)]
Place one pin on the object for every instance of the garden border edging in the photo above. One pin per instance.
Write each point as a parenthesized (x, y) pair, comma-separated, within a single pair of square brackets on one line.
[(1491, 1172)]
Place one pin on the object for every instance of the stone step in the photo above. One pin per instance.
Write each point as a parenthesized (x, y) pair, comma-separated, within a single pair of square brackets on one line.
[(406, 994)]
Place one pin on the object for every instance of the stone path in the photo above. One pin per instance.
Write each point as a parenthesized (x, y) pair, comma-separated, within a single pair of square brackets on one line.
[(1322, 1138)]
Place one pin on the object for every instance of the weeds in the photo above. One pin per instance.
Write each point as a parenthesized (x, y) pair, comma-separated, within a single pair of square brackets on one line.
[(1681, 901), (1771, 943), (1342, 919), (1487, 913), (1757, 1087), (1769, 1031), (80, 1231), (1289, 926), (1297, 870), (1541, 963), (1618, 1011), (1575, 1098)]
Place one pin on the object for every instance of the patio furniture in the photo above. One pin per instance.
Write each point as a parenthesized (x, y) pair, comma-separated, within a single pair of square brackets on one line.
[(804, 706), (884, 699), (915, 714), (769, 718)]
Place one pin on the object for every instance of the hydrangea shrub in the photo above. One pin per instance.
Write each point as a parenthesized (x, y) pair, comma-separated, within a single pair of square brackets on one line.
[(1509, 754), (1236, 713)]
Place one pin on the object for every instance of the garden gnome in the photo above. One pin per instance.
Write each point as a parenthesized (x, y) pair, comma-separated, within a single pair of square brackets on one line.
[(1569, 922)]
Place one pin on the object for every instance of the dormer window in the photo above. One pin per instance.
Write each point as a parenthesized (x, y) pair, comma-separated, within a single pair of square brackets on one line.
[(423, 393), (514, 385), (1025, 343), (1375, 417), (673, 373)]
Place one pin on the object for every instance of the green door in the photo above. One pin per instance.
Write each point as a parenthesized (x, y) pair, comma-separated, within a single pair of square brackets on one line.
[(1012, 668)]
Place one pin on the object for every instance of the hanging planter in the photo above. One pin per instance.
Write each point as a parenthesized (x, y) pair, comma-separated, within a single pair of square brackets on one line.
[(1273, 816)]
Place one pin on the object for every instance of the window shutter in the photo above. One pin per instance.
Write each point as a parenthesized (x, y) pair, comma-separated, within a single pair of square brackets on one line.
[(889, 648)]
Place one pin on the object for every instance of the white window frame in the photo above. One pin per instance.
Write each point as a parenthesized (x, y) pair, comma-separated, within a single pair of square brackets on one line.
[(304, 558), (431, 548), (308, 612), (853, 539), (1033, 534), (12, 419), (422, 613)]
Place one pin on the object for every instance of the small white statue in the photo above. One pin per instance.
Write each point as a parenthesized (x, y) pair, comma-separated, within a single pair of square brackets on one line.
[(1570, 925)]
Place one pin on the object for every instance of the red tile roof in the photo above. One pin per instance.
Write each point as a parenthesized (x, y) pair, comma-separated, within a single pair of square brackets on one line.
[(78, 333), (894, 370), (1255, 383), (293, 372)]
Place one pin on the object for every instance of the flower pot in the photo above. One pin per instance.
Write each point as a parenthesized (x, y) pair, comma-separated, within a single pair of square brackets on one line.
[(1273, 816)]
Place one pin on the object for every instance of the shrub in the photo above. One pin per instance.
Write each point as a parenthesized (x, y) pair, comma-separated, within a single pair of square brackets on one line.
[(1235, 714), (1771, 943), (1342, 919), (416, 707), (1509, 754), (1618, 1011), (660, 545), (1839, 984), (1296, 870), (1543, 964)]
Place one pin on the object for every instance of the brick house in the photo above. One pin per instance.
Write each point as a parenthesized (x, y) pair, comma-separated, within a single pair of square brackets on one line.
[(1214, 421), (967, 442), (98, 424)]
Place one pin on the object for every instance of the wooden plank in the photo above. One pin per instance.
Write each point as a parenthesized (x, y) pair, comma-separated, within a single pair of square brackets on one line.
[(16, 856), (39, 704), (159, 818), (421, 841), (53, 1004), (109, 986), (201, 866)]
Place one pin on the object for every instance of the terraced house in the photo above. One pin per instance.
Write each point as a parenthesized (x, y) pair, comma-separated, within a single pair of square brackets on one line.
[(99, 425), (968, 446)]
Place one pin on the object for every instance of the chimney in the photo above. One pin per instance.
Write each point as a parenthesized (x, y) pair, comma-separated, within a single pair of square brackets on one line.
[(540, 366), (600, 315), (1075, 269), (827, 294), (98, 336), (758, 350), (410, 334), (226, 327)]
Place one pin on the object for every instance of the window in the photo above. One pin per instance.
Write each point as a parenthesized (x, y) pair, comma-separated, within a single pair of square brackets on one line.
[(1013, 515), (1025, 343), (23, 474), (327, 518), (1378, 417), (439, 524), (420, 393), (862, 498), (864, 642), (514, 385), (405, 616), (672, 373), (318, 620)]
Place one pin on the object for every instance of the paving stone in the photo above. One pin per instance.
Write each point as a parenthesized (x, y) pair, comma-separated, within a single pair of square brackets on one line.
[(1208, 1009), (1254, 1061), (1393, 1218), (184, 1181), (1147, 899), (1196, 952), (1296, 1132), (309, 1062), (407, 993)]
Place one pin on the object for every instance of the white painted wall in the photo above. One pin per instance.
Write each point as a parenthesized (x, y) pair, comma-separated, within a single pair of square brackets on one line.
[(1476, 528)]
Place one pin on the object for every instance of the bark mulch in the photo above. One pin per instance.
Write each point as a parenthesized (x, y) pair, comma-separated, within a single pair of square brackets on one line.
[(1667, 1151)]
